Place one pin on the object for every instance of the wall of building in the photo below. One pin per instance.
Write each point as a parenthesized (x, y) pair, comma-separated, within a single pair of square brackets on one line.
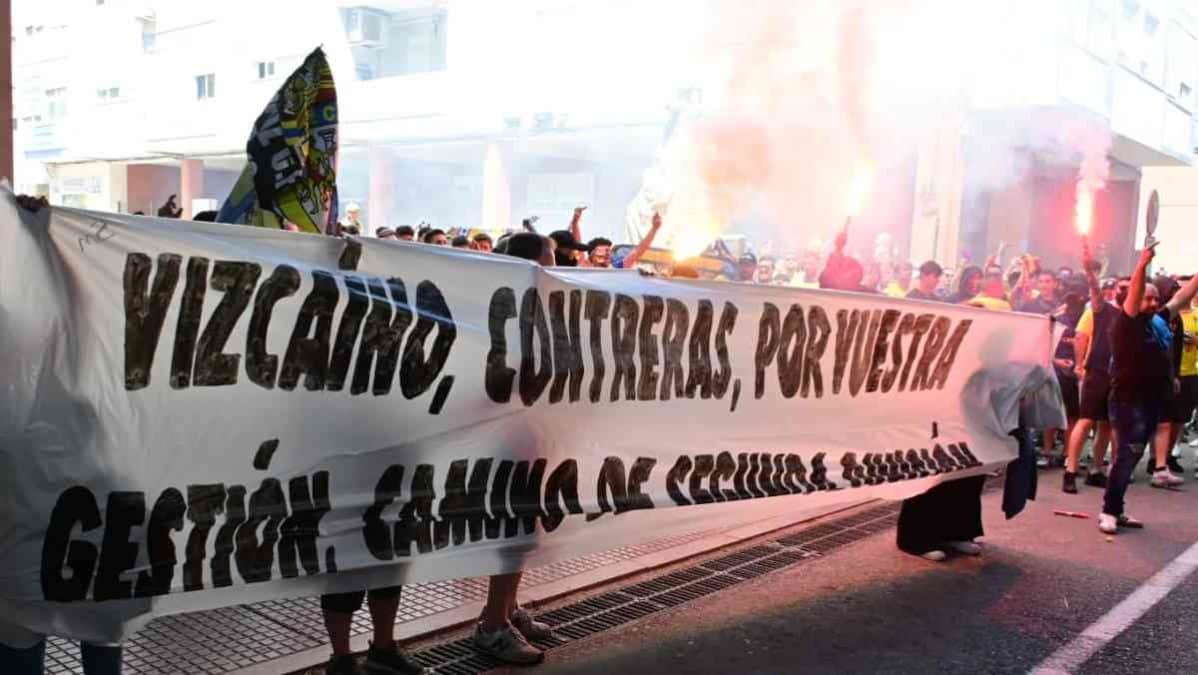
[(1178, 191), (150, 185), (583, 125), (99, 186), (218, 183)]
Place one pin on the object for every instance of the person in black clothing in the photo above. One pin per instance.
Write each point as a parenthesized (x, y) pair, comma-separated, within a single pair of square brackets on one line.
[(1092, 345), (170, 209), (929, 280), (1141, 373), (1046, 302), (1064, 362), (384, 654), (969, 285), (947, 517), (568, 250)]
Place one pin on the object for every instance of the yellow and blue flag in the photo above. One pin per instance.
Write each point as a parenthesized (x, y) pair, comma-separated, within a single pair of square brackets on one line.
[(291, 173)]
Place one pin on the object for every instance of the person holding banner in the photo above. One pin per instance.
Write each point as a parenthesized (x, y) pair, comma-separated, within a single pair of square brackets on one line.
[(929, 281), (969, 285), (1141, 383), (949, 516), (505, 628), (384, 655), (23, 652)]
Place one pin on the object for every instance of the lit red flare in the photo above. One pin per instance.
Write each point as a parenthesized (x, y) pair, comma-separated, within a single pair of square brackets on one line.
[(1083, 213), (859, 189)]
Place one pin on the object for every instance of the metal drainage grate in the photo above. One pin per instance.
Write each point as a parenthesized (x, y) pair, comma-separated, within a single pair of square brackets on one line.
[(600, 613)]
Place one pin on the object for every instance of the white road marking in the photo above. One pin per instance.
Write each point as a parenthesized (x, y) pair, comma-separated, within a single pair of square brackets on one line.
[(1067, 659)]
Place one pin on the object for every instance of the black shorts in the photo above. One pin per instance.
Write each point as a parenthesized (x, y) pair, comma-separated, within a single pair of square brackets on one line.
[(348, 603), (1180, 407), (1095, 390), (1070, 392)]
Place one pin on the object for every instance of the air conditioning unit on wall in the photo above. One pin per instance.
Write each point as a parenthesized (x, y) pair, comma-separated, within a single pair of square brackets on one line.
[(366, 27)]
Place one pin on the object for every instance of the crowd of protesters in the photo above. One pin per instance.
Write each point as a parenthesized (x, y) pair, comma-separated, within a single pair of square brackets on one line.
[(1127, 365), (1086, 306)]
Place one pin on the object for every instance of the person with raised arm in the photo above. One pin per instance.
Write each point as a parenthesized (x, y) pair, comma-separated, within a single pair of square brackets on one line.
[(576, 223), (630, 260), (1141, 379), (1092, 347)]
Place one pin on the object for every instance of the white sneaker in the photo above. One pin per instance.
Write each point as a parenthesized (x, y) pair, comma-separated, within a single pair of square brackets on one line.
[(965, 547), (935, 556), (1163, 478), (1108, 524)]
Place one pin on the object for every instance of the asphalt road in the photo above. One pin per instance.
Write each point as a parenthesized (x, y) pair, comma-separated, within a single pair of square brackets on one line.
[(867, 608)]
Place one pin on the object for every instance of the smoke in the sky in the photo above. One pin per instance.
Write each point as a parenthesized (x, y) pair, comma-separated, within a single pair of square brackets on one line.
[(800, 93)]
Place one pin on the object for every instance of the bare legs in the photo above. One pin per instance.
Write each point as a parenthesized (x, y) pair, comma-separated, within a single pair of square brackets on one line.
[(501, 601), (1077, 438)]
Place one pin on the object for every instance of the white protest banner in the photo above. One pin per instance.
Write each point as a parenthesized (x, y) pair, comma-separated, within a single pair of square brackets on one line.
[(197, 415)]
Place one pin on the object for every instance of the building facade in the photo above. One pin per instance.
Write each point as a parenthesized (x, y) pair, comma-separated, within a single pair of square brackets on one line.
[(1126, 70), (475, 112), (455, 113)]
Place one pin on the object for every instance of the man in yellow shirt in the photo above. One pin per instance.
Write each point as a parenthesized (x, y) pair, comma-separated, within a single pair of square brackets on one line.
[(1187, 397), (993, 295), (1189, 352), (900, 285)]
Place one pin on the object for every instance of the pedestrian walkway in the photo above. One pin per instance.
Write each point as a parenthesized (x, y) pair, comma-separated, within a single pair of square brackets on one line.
[(287, 635)]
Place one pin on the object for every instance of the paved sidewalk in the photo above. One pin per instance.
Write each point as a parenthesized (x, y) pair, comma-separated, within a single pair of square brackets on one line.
[(288, 635)]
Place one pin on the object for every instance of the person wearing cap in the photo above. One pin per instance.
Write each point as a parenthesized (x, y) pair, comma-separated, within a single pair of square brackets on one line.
[(405, 233), (1109, 289), (1092, 347), (481, 242), (385, 233), (929, 281), (352, 223), (568, 250)]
